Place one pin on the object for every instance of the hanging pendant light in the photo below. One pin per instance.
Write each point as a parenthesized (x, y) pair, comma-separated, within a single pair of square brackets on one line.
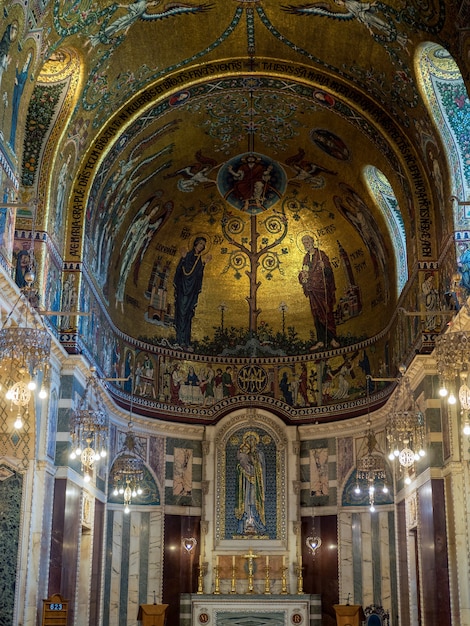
[(313, 541), (25, 350), (89, 429), (127, 472)]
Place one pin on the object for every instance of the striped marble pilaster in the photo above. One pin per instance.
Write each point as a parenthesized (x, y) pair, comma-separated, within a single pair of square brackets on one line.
[(384, 594), (357, 583), (115, 569), (393, 573), (155, 552), (368, 570), (134, 566), (315, 610), (345, 554), (185, 609)]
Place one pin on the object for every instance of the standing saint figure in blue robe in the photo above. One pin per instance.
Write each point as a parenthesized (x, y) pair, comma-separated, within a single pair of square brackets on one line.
[(188, 283), (250, 486), (20, 81)]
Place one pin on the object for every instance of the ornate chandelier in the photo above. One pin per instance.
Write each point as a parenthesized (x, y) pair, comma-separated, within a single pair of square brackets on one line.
[(451, 351), (25, 351), (405, 429), (370, 466), (89, 429), (127, 472)]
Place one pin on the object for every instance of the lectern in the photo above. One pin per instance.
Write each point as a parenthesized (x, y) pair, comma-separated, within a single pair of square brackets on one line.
[(152, 614), (349, 614)]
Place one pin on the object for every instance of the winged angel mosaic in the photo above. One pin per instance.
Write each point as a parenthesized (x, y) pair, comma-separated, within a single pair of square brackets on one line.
[(114, 24), (367, 13)]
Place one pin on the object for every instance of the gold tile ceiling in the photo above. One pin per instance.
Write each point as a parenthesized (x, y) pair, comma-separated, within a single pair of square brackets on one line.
[(203, 150)]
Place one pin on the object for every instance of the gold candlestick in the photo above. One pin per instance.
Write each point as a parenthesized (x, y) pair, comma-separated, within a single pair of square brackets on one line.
[(267, 588), (233, 584), (284, 580), (300, 579), (200, 578), (217, 581)]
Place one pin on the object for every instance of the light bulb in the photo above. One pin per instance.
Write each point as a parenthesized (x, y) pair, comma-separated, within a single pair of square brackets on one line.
[(372, 508), (78, 451), (139, 491), (134, 493), (357, 489), (126, 509), (96, 456), (32, 385), (407, 480), (391, 456), (416, 456), (451, 399), (443, 392), (73, 456), (121, 490), (18, 423), (87, 478), (396, 452), (422, 452), (466, 429), (43, 393), (103, 453), (385, 489), (9, 394), (115, 492)]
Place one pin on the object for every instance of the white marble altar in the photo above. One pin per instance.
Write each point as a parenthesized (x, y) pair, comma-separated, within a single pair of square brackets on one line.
[(264, 610)]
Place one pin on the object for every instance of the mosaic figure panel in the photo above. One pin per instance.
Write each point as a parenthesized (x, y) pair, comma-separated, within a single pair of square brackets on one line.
[(251, 485), (182, 472)]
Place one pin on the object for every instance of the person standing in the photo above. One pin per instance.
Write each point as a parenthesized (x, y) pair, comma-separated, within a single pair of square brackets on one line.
[(9, 36), (251, 486), (188, 284), (20, 81), (318, 283)]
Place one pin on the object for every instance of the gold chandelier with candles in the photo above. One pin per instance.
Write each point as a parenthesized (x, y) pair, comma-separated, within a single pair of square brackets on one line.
[(89, 429), (370, 464), (451, 351), (127, 472), (25, 350), (405, 429)]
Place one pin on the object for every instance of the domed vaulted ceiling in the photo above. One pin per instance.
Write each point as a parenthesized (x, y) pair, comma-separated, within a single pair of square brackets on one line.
[(236, 188)]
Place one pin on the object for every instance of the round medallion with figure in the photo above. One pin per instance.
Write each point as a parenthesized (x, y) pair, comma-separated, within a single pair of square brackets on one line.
[(251, 182)]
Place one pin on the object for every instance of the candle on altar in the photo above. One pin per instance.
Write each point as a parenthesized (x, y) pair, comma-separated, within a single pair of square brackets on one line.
[(233, 561), (217, 561), (267, 561), (284, 560), (200, 560)]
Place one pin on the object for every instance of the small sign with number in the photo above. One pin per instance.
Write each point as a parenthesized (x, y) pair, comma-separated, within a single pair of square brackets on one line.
[(54, 612)]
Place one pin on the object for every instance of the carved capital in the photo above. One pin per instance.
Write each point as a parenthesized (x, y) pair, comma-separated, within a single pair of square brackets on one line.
[(205, 487), (297, 527), (296, 484), (204, 527), (206, 447), (296, 447)]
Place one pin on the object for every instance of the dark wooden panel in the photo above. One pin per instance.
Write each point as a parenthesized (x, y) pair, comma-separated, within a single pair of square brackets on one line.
[(57, 537), (433, 553), (179, 568), (321, 573), (66, 528)]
